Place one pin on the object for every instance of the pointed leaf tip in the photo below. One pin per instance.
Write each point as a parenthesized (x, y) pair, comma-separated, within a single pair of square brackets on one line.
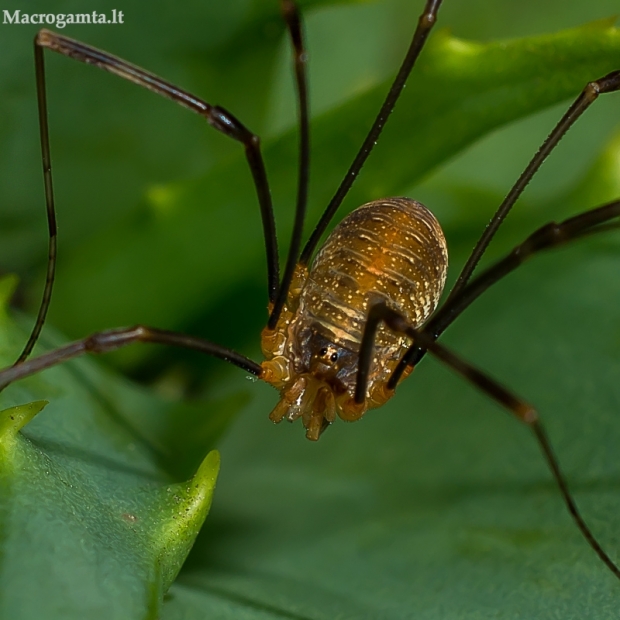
[(187, 505), (12, 420)]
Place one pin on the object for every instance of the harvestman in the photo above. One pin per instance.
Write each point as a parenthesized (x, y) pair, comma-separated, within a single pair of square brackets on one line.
[(342, 333)]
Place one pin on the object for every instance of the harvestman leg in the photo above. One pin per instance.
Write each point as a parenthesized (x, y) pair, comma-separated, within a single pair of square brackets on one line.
[(551, 235), (216, 116), (293, 22), (113, 339), (222, 120), (547, 236), (219, 118), (523, 411), (607, 84), (426, 22)]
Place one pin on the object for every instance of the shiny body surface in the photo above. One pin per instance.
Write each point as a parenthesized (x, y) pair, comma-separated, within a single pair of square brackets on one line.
[(390, 251)]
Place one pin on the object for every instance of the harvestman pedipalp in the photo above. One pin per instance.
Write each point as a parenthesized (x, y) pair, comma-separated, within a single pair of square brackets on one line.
[(343, 333)]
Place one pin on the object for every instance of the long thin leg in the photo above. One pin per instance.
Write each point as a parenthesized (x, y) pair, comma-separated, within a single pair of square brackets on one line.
[(522, 410), (293, 22), (216, 116), (547, 236), (606, 84), (425, 24), (112, 339), (49, 205)]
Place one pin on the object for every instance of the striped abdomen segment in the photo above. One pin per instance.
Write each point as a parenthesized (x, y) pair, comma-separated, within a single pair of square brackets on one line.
[(389, 250)]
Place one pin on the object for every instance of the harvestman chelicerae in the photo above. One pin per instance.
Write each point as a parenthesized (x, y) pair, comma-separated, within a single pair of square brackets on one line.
[(343, 333)]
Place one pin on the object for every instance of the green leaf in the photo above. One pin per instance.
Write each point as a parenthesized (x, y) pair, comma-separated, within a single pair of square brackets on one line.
[(92, 522)]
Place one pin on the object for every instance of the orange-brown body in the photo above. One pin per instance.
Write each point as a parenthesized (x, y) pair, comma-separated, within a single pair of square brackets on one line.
[(391, 250)]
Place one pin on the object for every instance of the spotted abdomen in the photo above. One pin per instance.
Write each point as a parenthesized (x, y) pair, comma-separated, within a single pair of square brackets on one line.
[(390, 250)]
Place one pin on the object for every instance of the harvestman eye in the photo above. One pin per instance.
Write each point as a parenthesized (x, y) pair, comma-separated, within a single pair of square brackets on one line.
[(371, 290)]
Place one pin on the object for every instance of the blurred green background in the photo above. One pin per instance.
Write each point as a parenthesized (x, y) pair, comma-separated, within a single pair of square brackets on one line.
[(435, 506)]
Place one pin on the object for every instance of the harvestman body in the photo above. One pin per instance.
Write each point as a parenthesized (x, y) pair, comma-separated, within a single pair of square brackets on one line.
[(342, 334), (389, 250)]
